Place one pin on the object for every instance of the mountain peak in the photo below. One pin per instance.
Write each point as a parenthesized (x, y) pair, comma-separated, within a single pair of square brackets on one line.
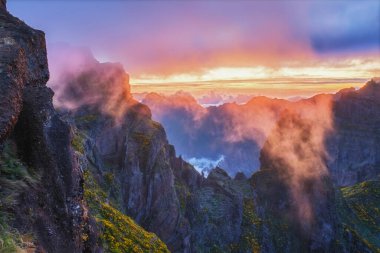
[(371, 88), (218, 174)]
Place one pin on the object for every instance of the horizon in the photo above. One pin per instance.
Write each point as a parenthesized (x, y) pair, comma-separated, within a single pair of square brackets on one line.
[(275, 49)]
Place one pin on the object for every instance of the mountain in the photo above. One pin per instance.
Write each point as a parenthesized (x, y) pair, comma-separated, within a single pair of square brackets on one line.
[(354, 145), (238, 132), (97, 174), (129, 157)]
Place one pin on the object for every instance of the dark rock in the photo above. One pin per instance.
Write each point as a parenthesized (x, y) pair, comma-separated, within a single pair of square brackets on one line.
[(240, 176), (135, 151), (218, 174), (23, 62), (354, 144), (53, 208), (44, 143)]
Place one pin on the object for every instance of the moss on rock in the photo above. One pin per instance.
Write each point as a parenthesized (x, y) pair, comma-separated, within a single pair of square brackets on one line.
[(118, 232)]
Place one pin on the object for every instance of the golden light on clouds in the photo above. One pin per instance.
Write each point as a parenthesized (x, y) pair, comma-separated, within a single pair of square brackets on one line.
[(294, 78)]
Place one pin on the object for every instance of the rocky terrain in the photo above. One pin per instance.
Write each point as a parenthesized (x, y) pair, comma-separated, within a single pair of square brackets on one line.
[(49, 203), (97, 174), (42, 204), (354, 145)]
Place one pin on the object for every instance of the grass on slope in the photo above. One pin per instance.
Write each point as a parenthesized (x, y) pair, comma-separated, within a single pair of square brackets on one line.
[(364, 201), (14, 178), (119, 233)]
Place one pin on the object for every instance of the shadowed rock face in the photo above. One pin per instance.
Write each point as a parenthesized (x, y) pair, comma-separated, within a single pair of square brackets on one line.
[(44, 143), (294, 186), (135, 151), (52, 209), (354, 145), (23, 62)]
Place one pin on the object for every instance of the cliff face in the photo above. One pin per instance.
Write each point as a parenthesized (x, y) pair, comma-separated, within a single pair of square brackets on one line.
[(23, 63), (44, 206), (129, 155), (354, 145), (52, 208)]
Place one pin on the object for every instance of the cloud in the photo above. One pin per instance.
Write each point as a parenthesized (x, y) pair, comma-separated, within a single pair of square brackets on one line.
[(205, 165), (165, 38), (295, 151), (79, 80)]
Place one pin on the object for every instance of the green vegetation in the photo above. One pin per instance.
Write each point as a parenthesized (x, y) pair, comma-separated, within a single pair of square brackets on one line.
[(86, 119), (183, 194), (363, 218), (14, 179), (143, 140), (144, 144), (251, 228), (78, 143), (155, 124), (119, 233)]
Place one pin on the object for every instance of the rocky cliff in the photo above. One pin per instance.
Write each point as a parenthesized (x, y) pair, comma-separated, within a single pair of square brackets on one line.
[(354, 145), (42, 200), (128, 154), (51, 209)]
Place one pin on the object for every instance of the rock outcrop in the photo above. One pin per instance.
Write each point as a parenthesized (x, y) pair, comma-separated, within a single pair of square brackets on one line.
[(44, 143), (354, 145), (44, 206), (52, 209), (127, 151), (23, 63)]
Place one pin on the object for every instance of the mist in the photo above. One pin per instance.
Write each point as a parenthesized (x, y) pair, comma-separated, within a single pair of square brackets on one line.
[(295, 150), (78, 79)]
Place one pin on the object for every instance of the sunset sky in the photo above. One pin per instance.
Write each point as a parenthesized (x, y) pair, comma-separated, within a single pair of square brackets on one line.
[(274, 48)]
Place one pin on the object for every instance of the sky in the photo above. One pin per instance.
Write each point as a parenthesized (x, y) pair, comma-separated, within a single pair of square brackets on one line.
[(274, 48)]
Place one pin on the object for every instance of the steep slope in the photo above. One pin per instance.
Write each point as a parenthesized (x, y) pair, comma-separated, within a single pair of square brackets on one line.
[(127, 153), (300, 208), (42, 201), (51, 209), (354, 145)]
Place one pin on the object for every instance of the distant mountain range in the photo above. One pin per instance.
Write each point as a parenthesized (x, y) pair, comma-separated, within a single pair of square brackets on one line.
[(237, 132)]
